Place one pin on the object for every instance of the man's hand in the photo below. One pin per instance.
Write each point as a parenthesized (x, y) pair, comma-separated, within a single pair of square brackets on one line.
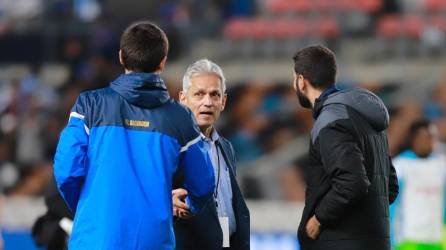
[(313, 228), (180, 207)]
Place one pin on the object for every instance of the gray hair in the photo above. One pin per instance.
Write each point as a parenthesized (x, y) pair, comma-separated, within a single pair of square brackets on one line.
[(201, 67)]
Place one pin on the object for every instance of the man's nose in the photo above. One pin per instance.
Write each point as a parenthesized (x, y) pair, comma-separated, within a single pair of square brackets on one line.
[(207, 100)]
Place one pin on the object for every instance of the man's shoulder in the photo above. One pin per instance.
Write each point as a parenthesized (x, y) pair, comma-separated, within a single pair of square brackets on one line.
[(88, 96), (330, 115), (179, 115), (97, 92), (180, 120)]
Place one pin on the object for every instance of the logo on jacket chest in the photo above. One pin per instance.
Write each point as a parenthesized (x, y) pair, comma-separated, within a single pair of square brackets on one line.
[(135, 123)]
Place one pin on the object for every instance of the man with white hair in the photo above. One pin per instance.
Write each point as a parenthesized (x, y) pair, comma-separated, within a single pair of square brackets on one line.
[(224, 224)]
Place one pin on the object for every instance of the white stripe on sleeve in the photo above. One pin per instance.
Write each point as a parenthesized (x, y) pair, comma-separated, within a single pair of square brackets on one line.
[(77, 115), (190, 143)]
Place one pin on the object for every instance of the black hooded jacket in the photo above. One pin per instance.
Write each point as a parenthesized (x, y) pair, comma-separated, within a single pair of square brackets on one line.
[(350, 179)]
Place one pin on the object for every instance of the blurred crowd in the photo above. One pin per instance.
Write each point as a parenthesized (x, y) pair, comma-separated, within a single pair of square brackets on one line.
[(266, 28), (260, 118)]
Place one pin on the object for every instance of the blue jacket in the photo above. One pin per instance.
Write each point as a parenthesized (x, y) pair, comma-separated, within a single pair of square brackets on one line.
[(203, 231), (115, 161)]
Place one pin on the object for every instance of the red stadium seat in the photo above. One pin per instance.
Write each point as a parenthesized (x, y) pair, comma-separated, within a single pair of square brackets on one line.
[(278, 6), (285, 29), (259, 28), (326, 28), (347, 5), (324, 5), (435, 5), (439, 22), (412, 26), (300, 27), (370, 6), (389, 26), (282, 29), (300, 6), (237, 29)]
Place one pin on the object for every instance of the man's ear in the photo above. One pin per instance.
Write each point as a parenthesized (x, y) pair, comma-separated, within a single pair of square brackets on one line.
[(301, 83), (223, 102), (295, 81), (162, 64), (182, 97), (121, 59)]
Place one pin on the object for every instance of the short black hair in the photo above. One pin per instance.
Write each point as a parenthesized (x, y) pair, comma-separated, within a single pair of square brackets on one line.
[(417, 125), (143, 46), (414, 128), (317, 64)]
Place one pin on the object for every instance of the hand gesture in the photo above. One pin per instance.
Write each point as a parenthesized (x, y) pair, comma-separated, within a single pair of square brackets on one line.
[(180, 207)]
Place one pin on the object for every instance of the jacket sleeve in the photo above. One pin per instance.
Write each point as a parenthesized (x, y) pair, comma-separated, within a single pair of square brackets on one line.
[(393, 183), (69, 169), (344, 163), (198, 173)]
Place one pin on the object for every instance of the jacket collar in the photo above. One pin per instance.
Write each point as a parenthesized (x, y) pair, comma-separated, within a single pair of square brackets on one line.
[(319, 102), (141, 89)]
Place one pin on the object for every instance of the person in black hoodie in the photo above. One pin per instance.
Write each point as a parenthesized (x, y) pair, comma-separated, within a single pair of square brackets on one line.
[(47, 231), (350, 179)]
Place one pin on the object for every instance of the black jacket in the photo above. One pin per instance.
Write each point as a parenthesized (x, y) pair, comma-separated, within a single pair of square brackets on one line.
[(350, 180), (203, 231), (46, 231)]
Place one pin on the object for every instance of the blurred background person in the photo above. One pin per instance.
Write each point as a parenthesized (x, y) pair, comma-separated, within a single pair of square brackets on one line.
[(417, 215), (47, 231)]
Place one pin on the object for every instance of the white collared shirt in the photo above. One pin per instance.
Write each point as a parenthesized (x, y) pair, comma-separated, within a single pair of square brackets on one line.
[(223, 188)]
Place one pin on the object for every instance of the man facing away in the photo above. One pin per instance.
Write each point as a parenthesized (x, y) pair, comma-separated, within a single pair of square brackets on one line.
[(350, 179), (116, 157), (225, 221)]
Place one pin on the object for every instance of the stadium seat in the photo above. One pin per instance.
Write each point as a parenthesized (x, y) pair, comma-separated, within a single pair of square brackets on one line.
[(237, 29), (289, 28), (300, 6), (278, 7), (326, 28), (259, 28), (438, 22), (346, 5), (389, 27), (435, 5), (370, 6), (324, 6), (412, 27)]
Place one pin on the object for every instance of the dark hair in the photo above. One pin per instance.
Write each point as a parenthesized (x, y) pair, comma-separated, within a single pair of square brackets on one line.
[(317, 64), (144, 45), (414, 128), (417, 125)]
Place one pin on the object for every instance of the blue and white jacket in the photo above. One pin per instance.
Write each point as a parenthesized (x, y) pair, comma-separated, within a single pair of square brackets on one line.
[(115, 161)]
